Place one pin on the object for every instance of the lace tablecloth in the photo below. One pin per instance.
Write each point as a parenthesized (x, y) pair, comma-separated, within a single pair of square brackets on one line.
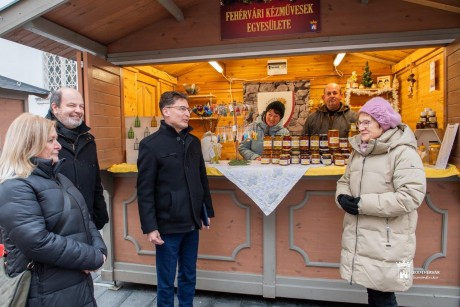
[(266, 185)]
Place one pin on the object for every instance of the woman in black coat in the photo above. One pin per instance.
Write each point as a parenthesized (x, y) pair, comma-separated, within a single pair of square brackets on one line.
[(44, 219)]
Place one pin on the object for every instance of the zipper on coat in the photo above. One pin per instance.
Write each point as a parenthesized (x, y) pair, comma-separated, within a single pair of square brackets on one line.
[(388, 233)]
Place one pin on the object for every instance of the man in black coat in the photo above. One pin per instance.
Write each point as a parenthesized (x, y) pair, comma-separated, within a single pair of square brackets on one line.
[(79, 150), (173, 192)]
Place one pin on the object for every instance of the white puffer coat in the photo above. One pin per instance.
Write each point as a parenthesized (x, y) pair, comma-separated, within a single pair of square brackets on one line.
[(378, 244)]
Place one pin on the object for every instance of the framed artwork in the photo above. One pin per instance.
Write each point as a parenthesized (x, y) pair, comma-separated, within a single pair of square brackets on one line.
[(384, 81), (287, 98)]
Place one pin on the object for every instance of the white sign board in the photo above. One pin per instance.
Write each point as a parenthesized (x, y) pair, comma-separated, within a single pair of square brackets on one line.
[(446, 146)]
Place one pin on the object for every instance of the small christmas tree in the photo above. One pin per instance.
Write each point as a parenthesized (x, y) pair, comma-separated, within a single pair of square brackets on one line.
[(367, 76)]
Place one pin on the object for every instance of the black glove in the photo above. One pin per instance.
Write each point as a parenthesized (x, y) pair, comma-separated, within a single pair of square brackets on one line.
[(349, 203)]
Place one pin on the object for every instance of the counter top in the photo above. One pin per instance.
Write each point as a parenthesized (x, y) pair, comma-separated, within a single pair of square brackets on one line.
[(331, 170)]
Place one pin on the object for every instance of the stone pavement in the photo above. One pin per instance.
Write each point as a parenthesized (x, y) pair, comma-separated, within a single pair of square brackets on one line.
[(134, 295)]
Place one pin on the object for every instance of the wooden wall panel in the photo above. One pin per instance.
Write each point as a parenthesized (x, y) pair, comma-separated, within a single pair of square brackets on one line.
[(11, 108), (453, 95)]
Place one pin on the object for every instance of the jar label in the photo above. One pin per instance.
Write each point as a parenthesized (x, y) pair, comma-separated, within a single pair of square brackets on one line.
[(284, 162), (323, 144), (305, 161), (314, 143), (277, 143), (295, 143), (304, 143), (267, 144)]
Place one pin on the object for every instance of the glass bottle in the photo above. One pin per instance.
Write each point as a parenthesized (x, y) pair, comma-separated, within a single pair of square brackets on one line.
[(333, 138), (314, 142), (304, 158), (153, 122), (136, 144), (278, 142), (268, 143), (323, 143), (304, 143), (353, 130), (146, 132)]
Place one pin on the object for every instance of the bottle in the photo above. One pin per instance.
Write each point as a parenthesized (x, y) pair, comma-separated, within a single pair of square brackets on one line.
[(146, 132), (265, 158), (304, 143), (353, 130), (314, 142), (287, 143), (153, 122), (304, 158), (423, 119), (333, 138), (278, 142), (268, 142), (315, 158), (276, 157), (323, 143), (137, 122)]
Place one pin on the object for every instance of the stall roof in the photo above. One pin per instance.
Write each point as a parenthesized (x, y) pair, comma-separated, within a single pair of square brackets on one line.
[(18, 86), (173, 31)]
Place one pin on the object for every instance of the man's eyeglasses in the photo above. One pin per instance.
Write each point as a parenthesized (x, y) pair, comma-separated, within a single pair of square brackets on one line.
[(183, 109), (364, 123)]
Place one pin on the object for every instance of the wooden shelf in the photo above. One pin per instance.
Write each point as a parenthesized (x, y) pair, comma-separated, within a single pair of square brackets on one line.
[(205, 96)]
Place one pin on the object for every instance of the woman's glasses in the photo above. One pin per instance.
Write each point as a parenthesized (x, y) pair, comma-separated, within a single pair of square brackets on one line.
[(364, 123)]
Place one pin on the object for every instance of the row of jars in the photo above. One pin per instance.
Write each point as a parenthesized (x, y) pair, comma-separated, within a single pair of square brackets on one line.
[(315, 142), (337, 157)]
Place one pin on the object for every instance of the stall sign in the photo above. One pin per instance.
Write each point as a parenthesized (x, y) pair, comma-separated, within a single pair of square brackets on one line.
[(240, 20)]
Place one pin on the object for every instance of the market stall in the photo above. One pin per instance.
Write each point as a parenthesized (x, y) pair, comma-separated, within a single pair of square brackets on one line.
[(294, 250)]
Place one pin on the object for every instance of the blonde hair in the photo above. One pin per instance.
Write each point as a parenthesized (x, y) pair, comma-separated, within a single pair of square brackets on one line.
[(26, 138)]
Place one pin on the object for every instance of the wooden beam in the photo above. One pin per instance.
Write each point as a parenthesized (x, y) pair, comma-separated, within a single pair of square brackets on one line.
[(16, 15), (65, 36), (436, 5), (373, 58), (149, 70), (171, 7)]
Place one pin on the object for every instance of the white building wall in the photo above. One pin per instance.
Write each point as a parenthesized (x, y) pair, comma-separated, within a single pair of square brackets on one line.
[(24, 64)]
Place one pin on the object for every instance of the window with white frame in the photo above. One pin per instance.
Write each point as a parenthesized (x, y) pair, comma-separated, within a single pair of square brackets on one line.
[(59, 72)]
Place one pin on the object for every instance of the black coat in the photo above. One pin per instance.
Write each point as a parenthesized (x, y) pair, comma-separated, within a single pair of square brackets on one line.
[(82, 167), (172, 183), (31, 209)]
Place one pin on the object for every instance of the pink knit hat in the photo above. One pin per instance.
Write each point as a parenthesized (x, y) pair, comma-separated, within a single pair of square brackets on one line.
[(381, 110)]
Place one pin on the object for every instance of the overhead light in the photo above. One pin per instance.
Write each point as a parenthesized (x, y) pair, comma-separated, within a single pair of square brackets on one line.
[(338, 58), (216, 66)]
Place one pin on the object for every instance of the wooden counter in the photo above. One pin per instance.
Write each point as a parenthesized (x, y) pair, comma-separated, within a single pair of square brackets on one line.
[(294, 252)]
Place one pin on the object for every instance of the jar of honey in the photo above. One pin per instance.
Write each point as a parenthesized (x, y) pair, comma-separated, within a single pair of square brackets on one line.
[(277, 142), (265, 158), (314, 142), (333, 138), (295, 142), (276, 157), (285, 159), (343, 143), (295, 156), (346, 155), (287, 143), (326, 159), (315, 158), (304, 143), (305, 158), (433, 152), (339, 159), (268, 143)]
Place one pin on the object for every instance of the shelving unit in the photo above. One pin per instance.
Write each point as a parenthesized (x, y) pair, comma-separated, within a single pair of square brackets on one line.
[(207, 123), (375, 92)]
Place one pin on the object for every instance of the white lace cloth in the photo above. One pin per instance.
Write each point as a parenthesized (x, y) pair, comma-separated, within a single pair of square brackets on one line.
[(266, 185)]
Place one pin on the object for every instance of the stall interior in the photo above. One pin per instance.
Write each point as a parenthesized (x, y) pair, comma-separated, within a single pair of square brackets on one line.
[(224, 102)]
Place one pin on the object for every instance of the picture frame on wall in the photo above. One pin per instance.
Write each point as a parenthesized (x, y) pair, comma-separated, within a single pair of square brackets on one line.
[(384, 82)]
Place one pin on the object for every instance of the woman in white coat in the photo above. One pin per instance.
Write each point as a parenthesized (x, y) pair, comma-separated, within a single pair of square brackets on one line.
[(382, 187)]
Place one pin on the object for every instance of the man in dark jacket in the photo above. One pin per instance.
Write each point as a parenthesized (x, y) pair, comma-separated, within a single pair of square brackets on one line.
[(79, 150), (173, 192), (332, 115)]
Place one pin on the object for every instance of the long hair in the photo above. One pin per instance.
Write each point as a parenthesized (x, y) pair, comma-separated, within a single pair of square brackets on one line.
[(26, 138)]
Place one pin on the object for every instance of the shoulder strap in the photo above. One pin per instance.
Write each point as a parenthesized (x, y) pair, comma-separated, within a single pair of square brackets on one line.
[(64, 213)]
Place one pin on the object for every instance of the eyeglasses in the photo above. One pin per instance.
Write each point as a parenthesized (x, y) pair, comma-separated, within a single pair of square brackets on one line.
[(364, 123), (183, 109)]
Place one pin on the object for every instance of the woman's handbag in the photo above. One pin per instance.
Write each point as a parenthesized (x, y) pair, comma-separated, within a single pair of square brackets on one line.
[(14, 290)]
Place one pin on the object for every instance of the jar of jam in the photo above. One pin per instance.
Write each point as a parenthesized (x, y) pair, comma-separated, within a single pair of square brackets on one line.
[(295, 142), (305, 158), (276, 157), (333, 138), (278, 142), (339, 159), (343, 143), (287, 143), (265, 158), (314, 142), (285, 159), (315, 158), (326, 159), (323, 144), (304, 143), (268, 142)]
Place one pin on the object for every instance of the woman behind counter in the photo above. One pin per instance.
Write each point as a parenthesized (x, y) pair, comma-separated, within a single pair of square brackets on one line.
[(382, 187), (44, 218), (266, 124)]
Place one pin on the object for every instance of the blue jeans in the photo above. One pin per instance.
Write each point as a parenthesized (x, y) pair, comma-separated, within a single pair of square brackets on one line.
[(179, 250)]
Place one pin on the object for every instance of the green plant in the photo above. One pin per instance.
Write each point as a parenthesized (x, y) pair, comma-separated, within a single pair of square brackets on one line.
[(367, 76)]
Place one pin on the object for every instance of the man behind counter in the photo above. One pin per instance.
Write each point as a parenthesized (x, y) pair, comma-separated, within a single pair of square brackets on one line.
[(332, 115)]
